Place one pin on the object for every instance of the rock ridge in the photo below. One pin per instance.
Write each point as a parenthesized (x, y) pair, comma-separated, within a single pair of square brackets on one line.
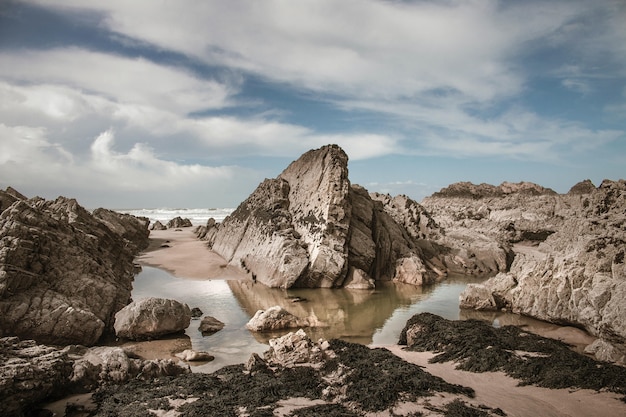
[(310, 227), (64, 272), (566, 263)]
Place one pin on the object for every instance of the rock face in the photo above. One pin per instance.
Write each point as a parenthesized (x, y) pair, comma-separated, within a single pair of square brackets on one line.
[(151, 318), (311, 228), (31, 373), (567, 264), (64, 272)]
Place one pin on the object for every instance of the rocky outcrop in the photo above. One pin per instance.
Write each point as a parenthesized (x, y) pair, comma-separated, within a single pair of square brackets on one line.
[(31, 373), (64, 272), (311, 228), (210, 325), (158, 226), (178, 222), (150, 318), (276, 318), (567, 263)]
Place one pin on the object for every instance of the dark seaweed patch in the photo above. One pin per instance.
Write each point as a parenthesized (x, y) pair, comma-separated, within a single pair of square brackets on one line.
[(479, 347), (378, 379)]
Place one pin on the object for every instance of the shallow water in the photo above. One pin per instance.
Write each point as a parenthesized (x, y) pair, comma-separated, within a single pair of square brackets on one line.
[(370, 317)]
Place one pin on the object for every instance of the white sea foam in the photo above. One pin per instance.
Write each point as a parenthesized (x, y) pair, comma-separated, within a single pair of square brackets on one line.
[(197, 216)]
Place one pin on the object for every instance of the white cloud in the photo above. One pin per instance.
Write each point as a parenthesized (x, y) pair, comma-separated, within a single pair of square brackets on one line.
[(116, 78)]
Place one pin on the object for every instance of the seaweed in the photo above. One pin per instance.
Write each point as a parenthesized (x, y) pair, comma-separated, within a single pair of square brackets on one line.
[(478, 347), (378, 379)]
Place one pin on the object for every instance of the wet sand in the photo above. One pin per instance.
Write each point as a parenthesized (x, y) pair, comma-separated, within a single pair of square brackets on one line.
[(179, 252), (187, 257)]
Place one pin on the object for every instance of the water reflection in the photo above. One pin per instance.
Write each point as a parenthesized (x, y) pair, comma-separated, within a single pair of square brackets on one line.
[(352, 315), (361, 316)]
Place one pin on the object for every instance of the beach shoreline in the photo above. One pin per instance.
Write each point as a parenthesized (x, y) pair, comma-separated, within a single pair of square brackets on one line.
[(179, 252)]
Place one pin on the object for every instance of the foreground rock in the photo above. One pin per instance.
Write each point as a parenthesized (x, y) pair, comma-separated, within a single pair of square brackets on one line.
[(64, 272), (31, 374), (210, 325), (311, 228), (277, 318), (568, 255), (331, 378), (150, 318)]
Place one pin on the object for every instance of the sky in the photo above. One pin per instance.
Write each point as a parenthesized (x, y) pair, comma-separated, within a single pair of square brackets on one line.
[(181, 103)]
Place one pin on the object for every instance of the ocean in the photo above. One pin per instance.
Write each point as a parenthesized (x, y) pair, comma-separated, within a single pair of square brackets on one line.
[(197, 216)]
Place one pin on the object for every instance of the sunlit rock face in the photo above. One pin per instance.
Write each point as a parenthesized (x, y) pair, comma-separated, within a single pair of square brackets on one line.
[(568, 253), (64, 272), (311, 228)]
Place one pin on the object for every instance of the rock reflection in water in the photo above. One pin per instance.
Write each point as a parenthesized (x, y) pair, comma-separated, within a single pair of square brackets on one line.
[(352, 315)]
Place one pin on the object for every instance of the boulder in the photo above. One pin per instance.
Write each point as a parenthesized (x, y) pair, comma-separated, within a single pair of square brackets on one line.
[(566, 263), (178, 222), (311, 228), (190, 355), (210, 325), (150, 318), (295, 348), (64, 272), (274, 318), (31, 373)]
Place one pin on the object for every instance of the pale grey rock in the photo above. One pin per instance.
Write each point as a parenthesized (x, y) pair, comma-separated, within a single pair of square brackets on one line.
[(295, 348), (64, 272), (359, 280), (102, 365), (575, 274), (274, 318), (31, 373), (151, 318), (190, 355), (178, 222)]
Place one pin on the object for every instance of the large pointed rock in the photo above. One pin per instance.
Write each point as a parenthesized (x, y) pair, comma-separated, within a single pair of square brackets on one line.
[(311, 228)]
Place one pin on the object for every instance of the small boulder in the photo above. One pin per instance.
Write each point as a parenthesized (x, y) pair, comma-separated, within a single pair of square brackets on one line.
[(274, 318), (178, 222), (210, 325), (151, 318), (158, 226), (295, 348), (190, 355), (196, 313)]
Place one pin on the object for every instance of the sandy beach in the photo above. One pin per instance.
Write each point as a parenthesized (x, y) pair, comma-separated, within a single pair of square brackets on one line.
[(180, 253)]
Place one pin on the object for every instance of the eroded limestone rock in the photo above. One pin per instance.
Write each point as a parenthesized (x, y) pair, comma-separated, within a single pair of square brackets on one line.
[(151, 318), (64, 272)]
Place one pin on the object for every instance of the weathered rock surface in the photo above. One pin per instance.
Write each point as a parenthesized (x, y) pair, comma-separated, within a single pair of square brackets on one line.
[(296, 348), (311, 228), (158, 226), (275, 318), (178, 222), (209, 325), (567, 260), (191, 355), (32, 373), (64, 272), (151, 318)]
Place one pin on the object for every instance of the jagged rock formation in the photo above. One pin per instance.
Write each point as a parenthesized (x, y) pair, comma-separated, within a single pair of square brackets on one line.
[(64, 272), (567, 264), (151, 318), (311, 228), (31, 373), (178, 222)]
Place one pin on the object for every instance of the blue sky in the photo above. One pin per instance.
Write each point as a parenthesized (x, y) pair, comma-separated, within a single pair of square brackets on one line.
[(181, 103)]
